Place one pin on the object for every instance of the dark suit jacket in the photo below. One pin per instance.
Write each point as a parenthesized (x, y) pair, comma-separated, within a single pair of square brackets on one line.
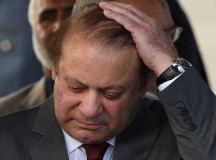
[(190, 133)]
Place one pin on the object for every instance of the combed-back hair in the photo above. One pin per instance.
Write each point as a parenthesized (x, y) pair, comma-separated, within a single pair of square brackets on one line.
[(94, 27), (91, 26), (98, 29)]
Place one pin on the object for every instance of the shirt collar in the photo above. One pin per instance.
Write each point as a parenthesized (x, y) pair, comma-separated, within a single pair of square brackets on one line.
[(72, 144)]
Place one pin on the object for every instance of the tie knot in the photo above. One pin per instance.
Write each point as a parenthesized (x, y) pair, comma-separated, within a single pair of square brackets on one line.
[(95, 151)]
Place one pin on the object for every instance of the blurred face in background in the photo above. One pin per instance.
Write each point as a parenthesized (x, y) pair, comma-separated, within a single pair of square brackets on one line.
[(45, 17)]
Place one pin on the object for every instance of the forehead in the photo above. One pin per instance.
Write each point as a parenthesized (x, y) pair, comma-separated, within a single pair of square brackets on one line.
[(157, 9), (76, 49), (98, 67), (38, 6), (81, 46)]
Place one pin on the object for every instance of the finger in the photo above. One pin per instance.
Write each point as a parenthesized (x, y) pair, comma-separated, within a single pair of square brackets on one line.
[(127, 6), (126, 10), (127, 23), (139, 33)]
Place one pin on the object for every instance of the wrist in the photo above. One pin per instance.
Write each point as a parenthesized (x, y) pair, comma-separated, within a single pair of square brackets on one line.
[(162, 68), (174, 70), (164, 64)]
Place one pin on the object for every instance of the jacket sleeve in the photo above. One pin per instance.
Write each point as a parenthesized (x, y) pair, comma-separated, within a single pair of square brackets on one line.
[(191, 109)]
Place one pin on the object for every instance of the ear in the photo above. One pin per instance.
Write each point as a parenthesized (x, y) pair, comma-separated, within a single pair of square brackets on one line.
[(53, 73)]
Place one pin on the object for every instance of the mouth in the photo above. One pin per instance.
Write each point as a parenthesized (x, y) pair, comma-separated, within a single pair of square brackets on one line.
[(88, 125)]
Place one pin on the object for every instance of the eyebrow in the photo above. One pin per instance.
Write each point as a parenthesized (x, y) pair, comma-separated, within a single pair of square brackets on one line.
[(67, 9), (73, 80), (116, 87), (48, 11), (53, 10)]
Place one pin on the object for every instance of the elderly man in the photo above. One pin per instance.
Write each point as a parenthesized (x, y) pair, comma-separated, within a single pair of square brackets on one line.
[(34, 94), (102, 59), (52, 15), (45, 17)]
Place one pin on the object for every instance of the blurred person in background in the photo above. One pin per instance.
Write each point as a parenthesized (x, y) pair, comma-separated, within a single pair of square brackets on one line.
[(45, 18), (18, 64)]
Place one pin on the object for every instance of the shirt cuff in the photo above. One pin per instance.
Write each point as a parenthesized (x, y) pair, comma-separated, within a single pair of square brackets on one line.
[(167, 83)]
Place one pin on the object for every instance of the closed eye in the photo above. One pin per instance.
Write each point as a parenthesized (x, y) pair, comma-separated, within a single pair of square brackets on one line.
[(77, 89), (112, 95)]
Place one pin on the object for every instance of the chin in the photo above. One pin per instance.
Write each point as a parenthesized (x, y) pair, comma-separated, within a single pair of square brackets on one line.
[(90, 137)]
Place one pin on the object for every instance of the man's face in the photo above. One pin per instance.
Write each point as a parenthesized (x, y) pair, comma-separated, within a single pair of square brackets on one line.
[(96, 91), (46, 16)]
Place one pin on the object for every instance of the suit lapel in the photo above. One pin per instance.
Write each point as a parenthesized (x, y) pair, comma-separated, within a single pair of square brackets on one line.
[(136, 145), (137, 141), (50, 144)]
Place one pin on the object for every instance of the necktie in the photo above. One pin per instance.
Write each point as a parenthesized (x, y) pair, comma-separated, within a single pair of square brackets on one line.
[(95, 151)]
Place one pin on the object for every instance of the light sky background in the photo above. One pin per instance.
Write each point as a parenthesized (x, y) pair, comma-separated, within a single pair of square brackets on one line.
[(202, 17)]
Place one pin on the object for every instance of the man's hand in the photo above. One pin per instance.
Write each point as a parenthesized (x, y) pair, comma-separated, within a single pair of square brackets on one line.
[(155, 48)]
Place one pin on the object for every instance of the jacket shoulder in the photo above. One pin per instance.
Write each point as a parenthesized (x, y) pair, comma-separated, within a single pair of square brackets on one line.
[(24, 98)]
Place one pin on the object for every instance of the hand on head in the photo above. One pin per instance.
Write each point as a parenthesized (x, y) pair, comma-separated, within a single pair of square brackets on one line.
[(155, 48)]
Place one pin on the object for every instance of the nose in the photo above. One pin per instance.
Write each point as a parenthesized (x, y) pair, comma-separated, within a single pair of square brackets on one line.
[(91, 105), (57, 25), (59, 20)]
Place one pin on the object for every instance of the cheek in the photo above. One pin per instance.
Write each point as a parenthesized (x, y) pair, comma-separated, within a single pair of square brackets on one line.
[(121, 113), (64, 102), (43, 34)]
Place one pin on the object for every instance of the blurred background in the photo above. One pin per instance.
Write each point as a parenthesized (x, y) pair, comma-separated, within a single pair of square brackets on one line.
[(18, 64), (202, 17)]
